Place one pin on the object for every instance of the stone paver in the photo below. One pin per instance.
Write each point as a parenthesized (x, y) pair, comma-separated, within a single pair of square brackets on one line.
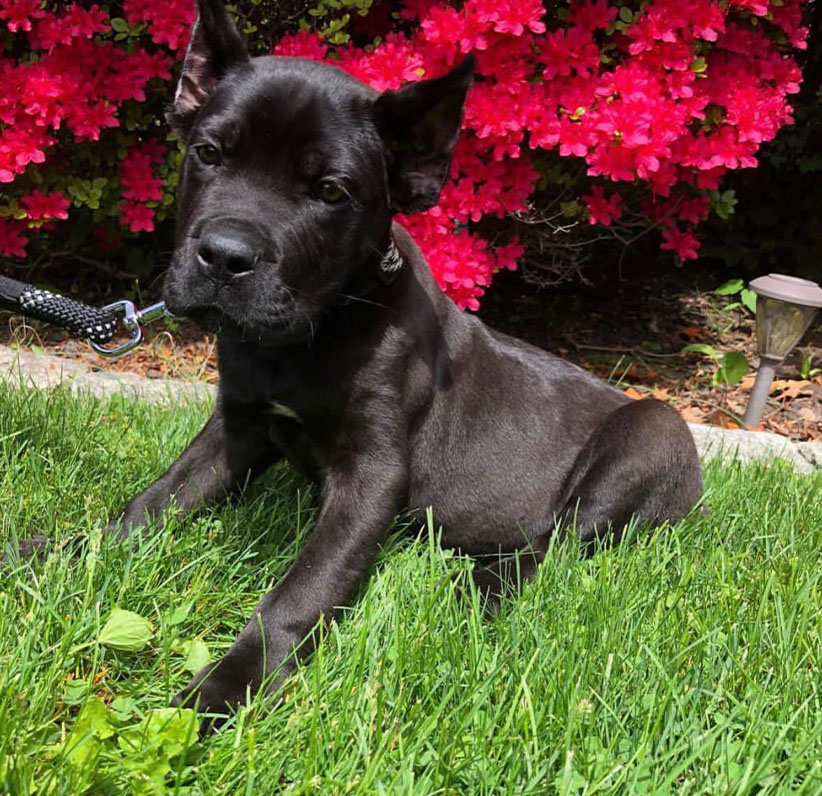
[(44, 370)]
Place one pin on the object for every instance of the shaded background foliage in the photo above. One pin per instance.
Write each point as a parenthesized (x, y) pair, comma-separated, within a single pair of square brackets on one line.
[(770, 218)]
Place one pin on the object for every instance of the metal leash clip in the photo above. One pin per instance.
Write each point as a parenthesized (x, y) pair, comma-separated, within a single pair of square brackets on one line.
[(134, 320)]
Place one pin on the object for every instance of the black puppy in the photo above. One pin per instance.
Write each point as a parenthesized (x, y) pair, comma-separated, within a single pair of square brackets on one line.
[(338, 351)]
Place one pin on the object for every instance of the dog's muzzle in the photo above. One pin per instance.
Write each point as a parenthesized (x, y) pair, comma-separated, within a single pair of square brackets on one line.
[(228, 249)]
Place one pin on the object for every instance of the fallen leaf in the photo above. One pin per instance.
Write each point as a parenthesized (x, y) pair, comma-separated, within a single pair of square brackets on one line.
[(692, 415), (632, 393), (692, 332), (791, 388), (661, 394), (719, 418), (747, 383), (99, 677)]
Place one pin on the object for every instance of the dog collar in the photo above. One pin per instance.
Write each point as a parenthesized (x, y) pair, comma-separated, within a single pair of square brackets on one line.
[(390, 264), (387, 269)]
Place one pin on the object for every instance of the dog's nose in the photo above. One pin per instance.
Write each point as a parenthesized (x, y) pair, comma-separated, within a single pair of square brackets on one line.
[(225, 253)]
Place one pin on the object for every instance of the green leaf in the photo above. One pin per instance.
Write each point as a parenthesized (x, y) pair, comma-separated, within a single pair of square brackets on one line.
[(701, 348), (625, 14), (198, 656), (179, 614), (195, 651), (730, 287), (748, 298), (734, 368), (126, 631), (149, 746), (92, 727), (570, 209), (75, 692), (124, 707)]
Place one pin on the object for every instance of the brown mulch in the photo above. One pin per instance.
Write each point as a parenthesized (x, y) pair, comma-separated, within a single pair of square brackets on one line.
[(176, 350), (629, 332)]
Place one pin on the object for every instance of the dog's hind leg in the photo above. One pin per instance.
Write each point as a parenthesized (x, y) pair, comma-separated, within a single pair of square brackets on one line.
[(640, 462)]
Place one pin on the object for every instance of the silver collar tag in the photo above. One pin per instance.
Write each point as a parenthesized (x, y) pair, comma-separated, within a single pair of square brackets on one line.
[(390, 264)]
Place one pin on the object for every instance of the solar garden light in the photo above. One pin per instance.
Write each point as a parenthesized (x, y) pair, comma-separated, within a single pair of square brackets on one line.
[(785, 307)]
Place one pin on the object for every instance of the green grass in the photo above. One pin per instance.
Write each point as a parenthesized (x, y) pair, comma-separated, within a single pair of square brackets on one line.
[(687, 663)]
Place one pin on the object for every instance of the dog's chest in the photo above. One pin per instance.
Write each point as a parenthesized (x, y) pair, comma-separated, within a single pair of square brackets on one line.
[(303, 438)]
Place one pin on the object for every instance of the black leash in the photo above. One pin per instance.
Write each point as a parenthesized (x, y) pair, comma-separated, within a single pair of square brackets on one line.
[(97, 325)]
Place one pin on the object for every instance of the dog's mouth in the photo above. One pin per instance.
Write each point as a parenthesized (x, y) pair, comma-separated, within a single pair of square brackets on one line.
[(255, 308), (274, 330)]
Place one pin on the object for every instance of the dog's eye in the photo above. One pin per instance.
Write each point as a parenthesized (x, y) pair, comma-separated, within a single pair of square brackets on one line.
[(331, 193), (209, 154)]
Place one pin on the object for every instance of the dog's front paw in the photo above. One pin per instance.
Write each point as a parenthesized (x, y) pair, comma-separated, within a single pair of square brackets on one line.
[(218, 689), (24, 549)]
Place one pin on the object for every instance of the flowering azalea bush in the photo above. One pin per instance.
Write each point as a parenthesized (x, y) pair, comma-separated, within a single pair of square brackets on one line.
[(74, 127), (657, 99)]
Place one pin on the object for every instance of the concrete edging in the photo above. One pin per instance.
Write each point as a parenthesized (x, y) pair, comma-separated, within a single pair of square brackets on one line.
[(27, 368), (751, 446)]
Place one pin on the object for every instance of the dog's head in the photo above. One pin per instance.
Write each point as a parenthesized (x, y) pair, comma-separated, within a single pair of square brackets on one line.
[(292, 173)]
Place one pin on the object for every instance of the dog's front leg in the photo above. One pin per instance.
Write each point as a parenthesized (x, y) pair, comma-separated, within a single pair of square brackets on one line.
[(233, 447), (357, 510)]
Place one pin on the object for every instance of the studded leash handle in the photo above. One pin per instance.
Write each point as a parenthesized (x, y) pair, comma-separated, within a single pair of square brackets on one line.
[(96, 325)]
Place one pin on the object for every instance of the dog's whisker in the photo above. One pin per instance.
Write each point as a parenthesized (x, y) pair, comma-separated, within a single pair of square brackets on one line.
[(363, 300)]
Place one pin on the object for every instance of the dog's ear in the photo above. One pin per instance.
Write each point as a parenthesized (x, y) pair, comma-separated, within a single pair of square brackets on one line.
[(215, 47), (419, 125)]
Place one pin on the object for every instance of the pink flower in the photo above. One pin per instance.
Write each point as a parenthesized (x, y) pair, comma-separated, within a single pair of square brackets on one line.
[(446, 26), (510, 16), (169, 22), (12, 242), (19, 13), (136, 216), (46, 206), (303, 44), (693, 209), (757, 7), (681, 242), (602, 210), (592, 14), (73, 22), (136, 177), (661, 108)]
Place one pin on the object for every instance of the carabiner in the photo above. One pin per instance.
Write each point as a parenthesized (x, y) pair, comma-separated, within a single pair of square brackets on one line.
[(133, 319)]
